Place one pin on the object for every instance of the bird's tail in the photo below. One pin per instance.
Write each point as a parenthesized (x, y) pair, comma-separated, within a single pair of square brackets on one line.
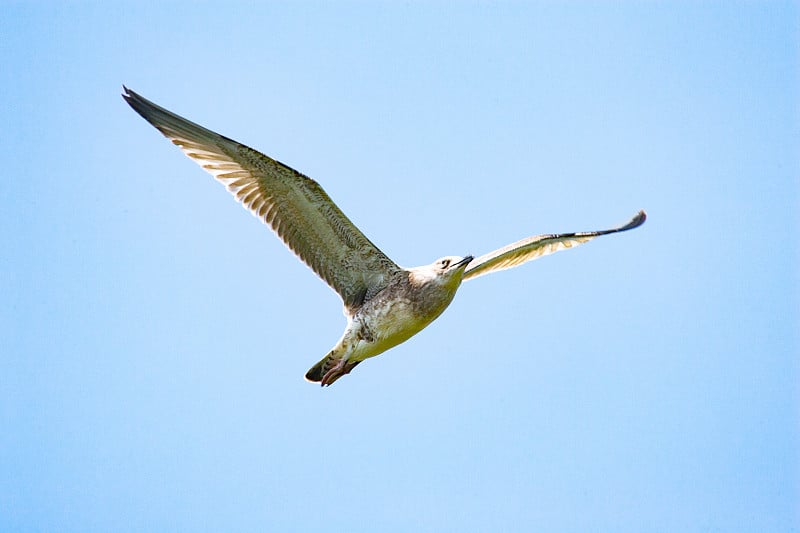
[(315, 373)]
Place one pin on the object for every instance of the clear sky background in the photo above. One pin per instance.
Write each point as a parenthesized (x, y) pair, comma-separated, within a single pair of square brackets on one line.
[(154, 335)]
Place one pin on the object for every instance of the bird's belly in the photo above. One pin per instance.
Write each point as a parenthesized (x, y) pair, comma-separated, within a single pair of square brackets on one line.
[(387, 325)]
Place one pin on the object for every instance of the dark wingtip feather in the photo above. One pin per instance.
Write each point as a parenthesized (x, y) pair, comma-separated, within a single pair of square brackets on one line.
[(636, 221), (128, 95)]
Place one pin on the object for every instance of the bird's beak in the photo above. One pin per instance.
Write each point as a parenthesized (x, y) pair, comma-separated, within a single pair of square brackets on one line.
[(463, 262)]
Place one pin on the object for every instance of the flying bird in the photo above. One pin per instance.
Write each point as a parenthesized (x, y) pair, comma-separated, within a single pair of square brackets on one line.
[(385, 304)]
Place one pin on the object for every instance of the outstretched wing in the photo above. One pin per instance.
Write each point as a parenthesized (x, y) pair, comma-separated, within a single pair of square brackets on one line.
[(295, 206), (534, 247)]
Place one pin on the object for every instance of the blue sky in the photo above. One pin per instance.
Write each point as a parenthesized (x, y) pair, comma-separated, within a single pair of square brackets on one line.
[(154, 335)]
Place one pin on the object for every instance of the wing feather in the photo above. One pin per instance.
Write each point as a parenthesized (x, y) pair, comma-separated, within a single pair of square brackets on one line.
[(293, 205), (531, 248)]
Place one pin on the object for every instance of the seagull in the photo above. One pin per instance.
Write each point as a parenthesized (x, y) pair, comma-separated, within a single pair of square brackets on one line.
[(385, 304)]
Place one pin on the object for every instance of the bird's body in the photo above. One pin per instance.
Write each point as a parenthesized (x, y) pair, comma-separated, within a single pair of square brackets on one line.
[(411, 301), (384, 303)]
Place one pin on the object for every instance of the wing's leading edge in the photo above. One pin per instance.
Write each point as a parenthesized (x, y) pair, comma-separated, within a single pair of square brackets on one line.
[(531, 248), (293, 205)]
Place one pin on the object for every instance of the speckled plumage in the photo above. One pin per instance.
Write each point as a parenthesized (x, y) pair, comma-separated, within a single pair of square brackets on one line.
[(384, 303)]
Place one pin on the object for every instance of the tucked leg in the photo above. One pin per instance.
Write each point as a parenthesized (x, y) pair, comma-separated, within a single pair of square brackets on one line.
[(342, 368)]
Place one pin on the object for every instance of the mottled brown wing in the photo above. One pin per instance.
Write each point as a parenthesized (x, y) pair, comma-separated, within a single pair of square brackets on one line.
[(295, 206), (534, 247)]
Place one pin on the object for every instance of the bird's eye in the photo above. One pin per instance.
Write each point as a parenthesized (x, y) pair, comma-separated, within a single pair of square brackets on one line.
[(445, 263)]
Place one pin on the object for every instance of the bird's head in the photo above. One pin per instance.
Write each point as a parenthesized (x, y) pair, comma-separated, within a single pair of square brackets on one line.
[(444, 271), (451, 264), (450, 268)]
